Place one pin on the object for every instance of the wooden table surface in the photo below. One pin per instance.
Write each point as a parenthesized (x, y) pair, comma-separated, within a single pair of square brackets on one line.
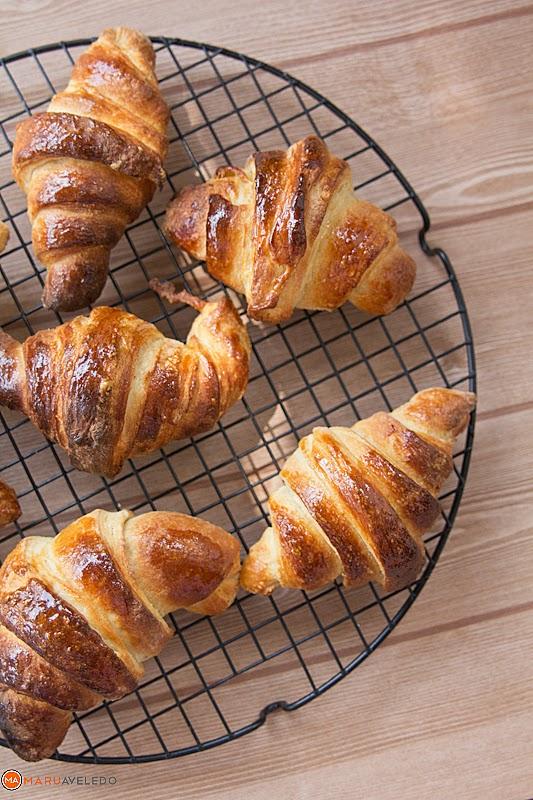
[(447, 88)]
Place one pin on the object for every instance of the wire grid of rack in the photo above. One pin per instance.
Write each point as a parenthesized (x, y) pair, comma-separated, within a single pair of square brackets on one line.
[(221, 677)]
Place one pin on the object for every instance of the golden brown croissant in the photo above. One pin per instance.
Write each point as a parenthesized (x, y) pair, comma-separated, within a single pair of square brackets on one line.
[(80, 612), (4, 236), (288, 232), (91, 163), (110, 386), (356, 501), (9, 506)]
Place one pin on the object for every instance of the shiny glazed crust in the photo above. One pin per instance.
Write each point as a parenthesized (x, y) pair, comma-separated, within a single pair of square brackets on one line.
[(288, 232), (90, 163), (355, 502), (110, 386), (80, 612)]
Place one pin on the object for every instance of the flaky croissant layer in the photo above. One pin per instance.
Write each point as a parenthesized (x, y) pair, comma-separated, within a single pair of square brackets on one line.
[(80, 612), (288, 232), (355, 502), (110, 386), (91, 163)]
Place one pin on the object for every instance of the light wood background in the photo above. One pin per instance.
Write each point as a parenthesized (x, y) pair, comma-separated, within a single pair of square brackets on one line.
[(444, 708)]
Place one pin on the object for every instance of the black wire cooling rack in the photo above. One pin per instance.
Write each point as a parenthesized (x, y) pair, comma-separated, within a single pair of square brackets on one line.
[(220, 677)]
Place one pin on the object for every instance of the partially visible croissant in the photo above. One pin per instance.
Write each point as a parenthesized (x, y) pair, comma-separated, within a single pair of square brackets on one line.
[(4, 236), (91, 163), (356, 501), (110, 386), (289, 232), (9, 506), (80, 612)]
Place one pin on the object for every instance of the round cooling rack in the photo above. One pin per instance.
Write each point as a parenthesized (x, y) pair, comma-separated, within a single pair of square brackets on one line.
[(219, 678)]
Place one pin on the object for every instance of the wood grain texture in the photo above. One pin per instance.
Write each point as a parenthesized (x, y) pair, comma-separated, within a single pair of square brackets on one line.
[(444, 708)]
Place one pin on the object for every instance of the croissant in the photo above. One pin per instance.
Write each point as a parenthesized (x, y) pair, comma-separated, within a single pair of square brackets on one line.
[(80, 612), (356, 501), (91, 163), (4, 236), (289, 232), (110, 386), (9, 507)]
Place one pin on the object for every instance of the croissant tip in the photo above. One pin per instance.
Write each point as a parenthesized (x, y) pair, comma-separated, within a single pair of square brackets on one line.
[(468, 397), (71, 285)]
